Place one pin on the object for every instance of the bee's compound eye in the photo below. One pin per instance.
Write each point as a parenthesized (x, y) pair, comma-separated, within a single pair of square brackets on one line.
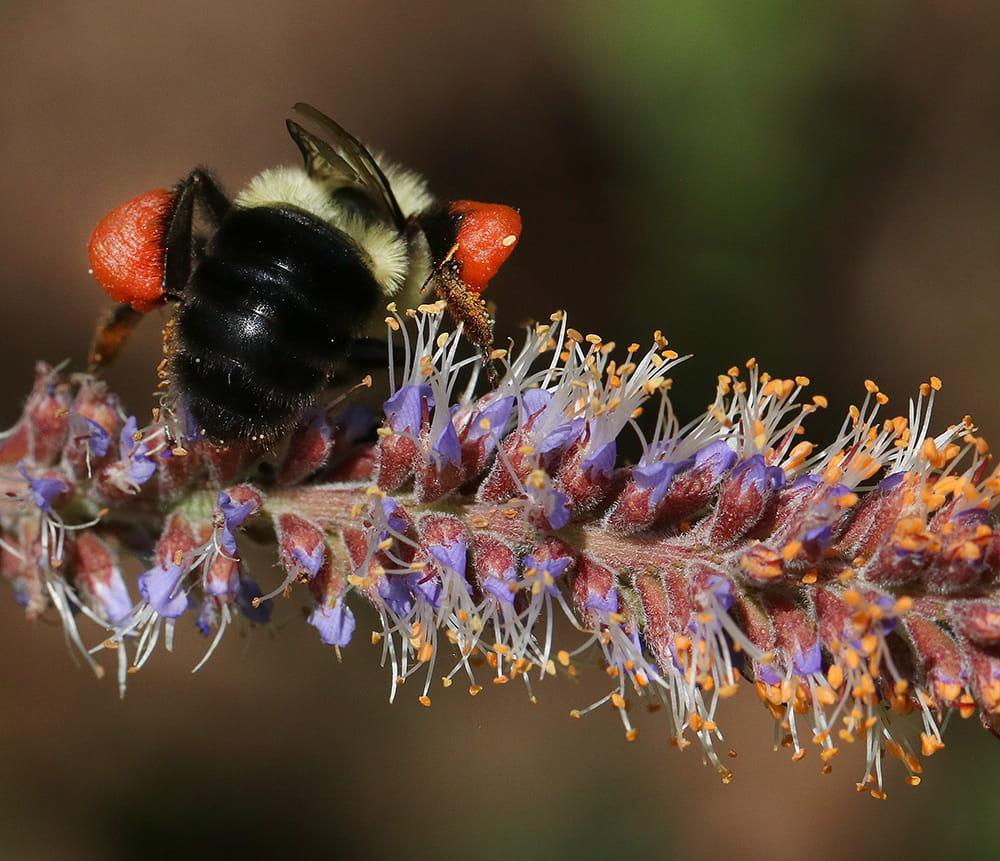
[(486, 235), (126, 253)]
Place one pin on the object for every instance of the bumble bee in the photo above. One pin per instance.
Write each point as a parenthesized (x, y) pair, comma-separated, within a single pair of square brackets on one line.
[(275, 288)]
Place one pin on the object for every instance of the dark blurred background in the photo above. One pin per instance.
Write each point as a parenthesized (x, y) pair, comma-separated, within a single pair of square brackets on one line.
[(815, 185)]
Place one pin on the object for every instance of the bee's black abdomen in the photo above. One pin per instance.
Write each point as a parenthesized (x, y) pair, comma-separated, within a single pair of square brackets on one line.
[(268, 313)]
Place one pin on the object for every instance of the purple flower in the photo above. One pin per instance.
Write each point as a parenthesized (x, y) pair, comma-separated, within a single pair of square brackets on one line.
[(533, 401), (716, 457), (113, 595), (602, 461), (561, 436), (43, 490), (22, 594), (98, 438), (335, 624), (405, 409), (891, 482), (705, 468), (233, 513), (249, 592), (499, 585), (721, 589), (312, 561), (207, 617), (446, 446), (396, 594), (808, 662), (452, 556), (492, 419), (392, 512), (89, 431), (427, 586), (547, 568), (657, 476), (159, 587), (544, 420), (830, 491), (554, 505), (769, 675), (391, 509), (603, 603), (818, 535), (887, 623), (970, 517), (754, 474), (140, 466)]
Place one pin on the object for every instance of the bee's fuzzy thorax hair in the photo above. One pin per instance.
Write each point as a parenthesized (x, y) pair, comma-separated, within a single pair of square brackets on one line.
[(288, 186), (409, 187), (386, 248)]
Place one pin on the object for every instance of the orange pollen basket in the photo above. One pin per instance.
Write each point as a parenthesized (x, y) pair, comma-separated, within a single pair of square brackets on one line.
[(487, 234), (125, 250)]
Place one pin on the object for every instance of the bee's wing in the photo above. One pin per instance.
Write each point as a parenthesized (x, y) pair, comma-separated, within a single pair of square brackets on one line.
[(342, 161)]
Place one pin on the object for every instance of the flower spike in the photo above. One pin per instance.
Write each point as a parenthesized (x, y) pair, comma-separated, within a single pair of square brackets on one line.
[(855, 587)]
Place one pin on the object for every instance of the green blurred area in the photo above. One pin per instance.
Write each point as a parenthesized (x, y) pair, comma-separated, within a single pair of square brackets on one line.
[(760, 152), (741, 135)]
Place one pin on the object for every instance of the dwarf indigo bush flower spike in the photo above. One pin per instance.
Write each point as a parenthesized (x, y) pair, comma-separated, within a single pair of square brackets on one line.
[(854, 586)]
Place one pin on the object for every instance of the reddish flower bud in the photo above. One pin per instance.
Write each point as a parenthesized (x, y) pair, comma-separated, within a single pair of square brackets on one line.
[(301, 545), (47, 417), (941, 659), (747, 496), (976, 619), (308, 450)]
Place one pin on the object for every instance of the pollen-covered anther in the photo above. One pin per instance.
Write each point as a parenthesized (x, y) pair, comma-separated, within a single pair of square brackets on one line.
[(930, 744), (967, 705), (791, 550), (762, 563)]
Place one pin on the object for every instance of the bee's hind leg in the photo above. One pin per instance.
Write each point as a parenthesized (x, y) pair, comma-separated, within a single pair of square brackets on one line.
[(113, 329)]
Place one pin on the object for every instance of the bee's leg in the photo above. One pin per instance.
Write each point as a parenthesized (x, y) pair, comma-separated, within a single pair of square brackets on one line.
[(491, 370), (113, 328), (469, 309), (198, 187), (177, 242)]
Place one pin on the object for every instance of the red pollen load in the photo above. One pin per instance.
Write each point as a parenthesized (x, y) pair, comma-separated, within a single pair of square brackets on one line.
[(126, 254), (486, 235)]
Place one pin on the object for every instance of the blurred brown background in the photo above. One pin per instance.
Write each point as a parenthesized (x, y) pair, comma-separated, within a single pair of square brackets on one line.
[(818, 188)]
